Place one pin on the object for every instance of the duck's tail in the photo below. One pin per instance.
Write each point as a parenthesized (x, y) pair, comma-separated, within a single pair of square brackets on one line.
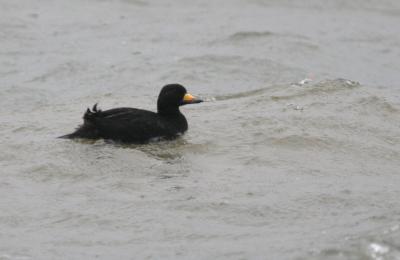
[(88, 129)]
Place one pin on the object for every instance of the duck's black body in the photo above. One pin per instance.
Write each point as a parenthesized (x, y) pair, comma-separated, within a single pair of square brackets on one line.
[(133, 125)]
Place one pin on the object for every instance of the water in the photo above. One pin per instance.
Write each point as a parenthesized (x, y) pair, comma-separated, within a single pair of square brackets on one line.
[(295, 156)]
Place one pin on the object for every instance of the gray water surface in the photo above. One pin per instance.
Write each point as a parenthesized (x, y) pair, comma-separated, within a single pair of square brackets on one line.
[(295, 156)]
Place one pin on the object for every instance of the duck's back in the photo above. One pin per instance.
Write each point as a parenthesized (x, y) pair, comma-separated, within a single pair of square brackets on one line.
[(129, 125)]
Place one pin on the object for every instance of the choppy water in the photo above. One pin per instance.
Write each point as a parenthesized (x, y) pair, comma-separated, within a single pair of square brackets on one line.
[(295, 156)]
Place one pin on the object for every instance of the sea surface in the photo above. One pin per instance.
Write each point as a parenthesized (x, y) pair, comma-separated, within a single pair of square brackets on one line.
[(295, 154)]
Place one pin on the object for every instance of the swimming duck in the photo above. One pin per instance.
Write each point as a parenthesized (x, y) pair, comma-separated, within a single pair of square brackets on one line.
[(132, 125)]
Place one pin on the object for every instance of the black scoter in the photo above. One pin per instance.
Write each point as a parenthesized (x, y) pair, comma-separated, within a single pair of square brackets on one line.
[(132, 125)]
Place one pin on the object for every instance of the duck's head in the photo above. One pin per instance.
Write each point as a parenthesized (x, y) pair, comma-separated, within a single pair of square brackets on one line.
[(172, 96)]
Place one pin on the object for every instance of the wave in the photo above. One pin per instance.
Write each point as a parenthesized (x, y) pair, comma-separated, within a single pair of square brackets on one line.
[(250, 35), (381, 245)]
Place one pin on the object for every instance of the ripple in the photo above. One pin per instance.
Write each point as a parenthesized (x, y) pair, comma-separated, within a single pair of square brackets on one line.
[(60, 71), (323, 87), (379, 104), (249, 35), (381, 246)]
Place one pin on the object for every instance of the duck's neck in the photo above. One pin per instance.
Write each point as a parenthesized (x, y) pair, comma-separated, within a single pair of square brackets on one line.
[(168, 111)]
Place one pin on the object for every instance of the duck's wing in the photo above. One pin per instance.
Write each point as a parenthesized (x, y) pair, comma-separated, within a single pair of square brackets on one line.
[(124, 124), (128, 124), (98, 113)]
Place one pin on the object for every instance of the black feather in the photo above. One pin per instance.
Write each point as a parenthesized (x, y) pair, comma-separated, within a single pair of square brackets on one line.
[(135, 125)]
